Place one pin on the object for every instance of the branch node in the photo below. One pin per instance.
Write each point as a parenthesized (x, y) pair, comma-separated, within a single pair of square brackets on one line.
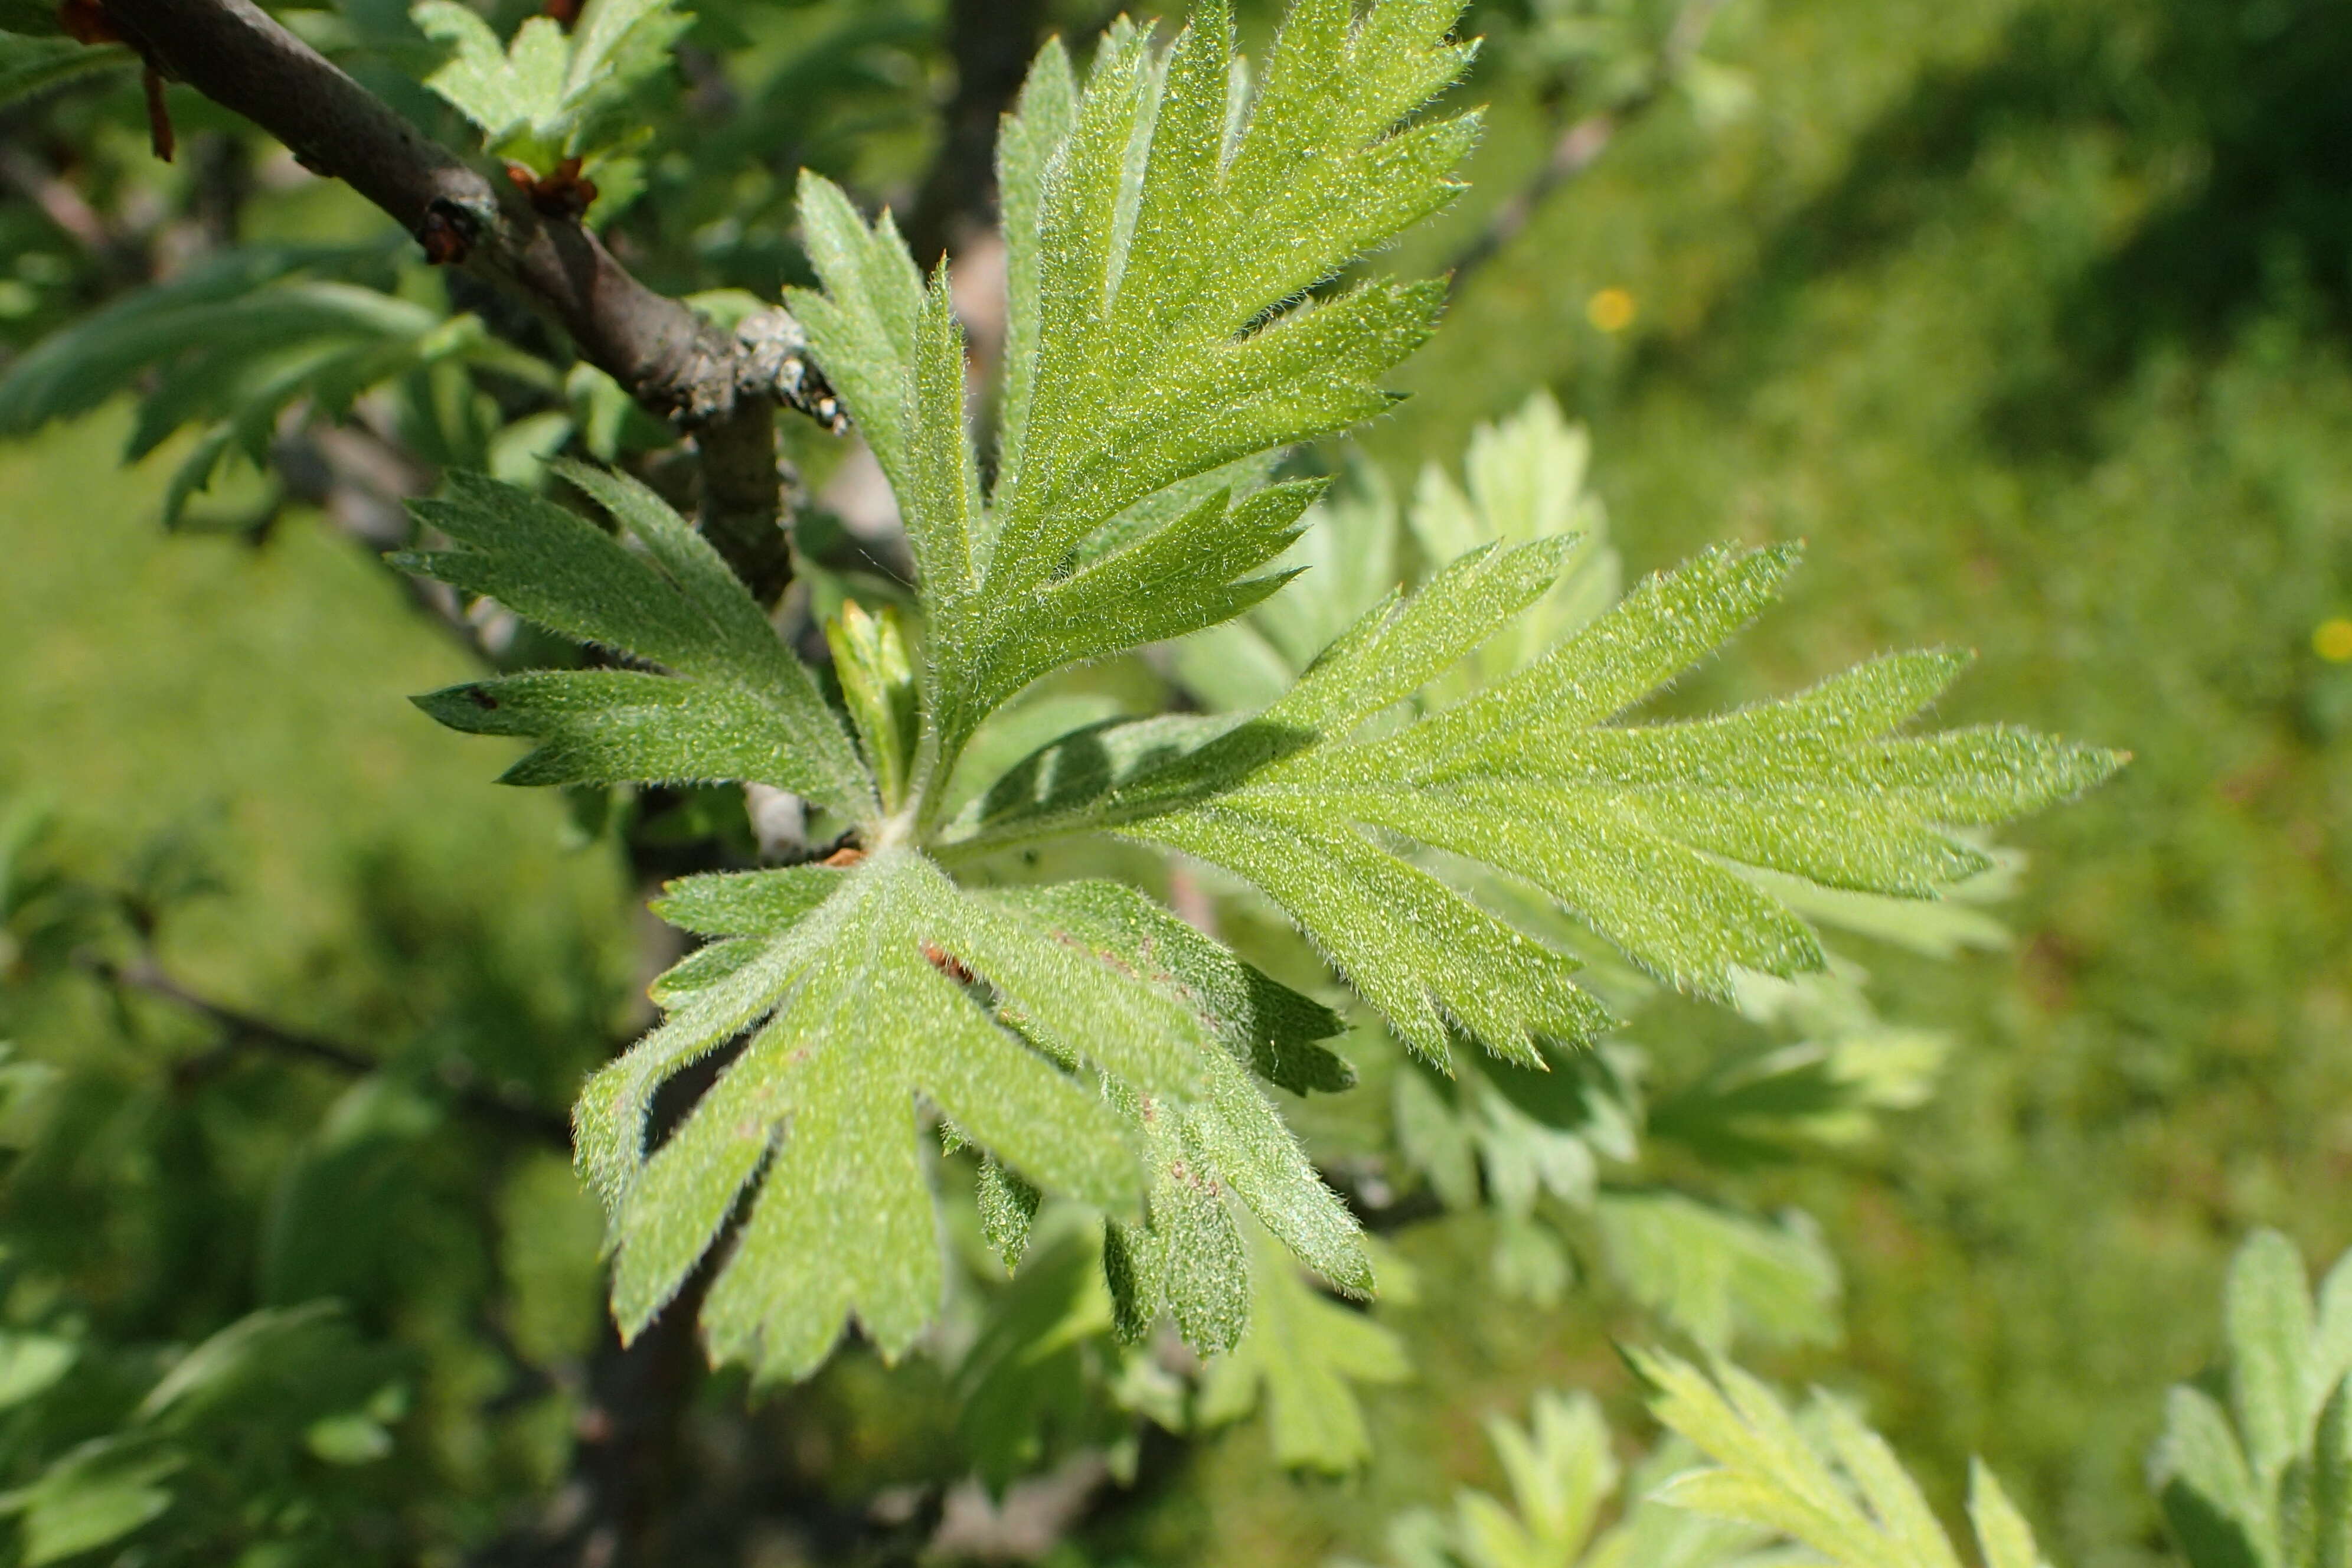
[(773, 362), (448, 233)]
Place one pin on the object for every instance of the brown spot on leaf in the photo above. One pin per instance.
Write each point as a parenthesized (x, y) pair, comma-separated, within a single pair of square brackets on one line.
[(947, 963)]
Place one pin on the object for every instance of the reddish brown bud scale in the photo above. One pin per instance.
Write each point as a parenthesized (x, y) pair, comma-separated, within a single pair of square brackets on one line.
[(562, 194), (948, 963)]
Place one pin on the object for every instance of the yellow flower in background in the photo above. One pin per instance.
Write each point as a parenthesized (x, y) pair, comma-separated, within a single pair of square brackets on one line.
[(2332, 640), (1611, 309)]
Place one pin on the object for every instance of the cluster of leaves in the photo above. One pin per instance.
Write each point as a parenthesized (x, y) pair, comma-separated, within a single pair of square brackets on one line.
[(264, 1438), (1604, 57), (1444, 791), (2261, 1483), (257, 348), (1161, 230), (553, 95), (1563, 1473), (2261, 1477), (1741, 1483), (268, 1432), (344, 1265), (253, 346)]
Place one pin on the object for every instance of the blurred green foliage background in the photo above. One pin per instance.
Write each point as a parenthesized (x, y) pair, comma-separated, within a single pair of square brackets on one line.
[(2030, 315)]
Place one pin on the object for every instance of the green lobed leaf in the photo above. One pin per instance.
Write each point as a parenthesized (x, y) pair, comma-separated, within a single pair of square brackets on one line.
[(1716, 1275), (737, 700), (1303, 1354), (1158, 330), (30, 65), (1639, 829), (547, 93), (862, 1018), (1831, 1486), (882, 982)]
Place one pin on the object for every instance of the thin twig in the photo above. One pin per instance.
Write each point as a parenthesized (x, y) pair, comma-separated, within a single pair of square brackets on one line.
[(242, 1030), (1580, 145), (69, 211)]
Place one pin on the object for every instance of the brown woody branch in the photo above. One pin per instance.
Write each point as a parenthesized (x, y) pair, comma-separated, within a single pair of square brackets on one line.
[(721, 387)]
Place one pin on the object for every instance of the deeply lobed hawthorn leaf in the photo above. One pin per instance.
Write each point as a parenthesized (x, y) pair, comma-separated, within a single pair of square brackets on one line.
[(1831, 1485), (859, 1018), (1303, 1353), (737, 704), (1172, 232), (1153, 332), (1642, 830), (854, 982)]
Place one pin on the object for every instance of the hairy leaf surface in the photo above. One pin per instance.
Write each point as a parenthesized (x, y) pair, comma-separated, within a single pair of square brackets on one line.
[(1156, 333), (737, 700), (1647, 831), (1833, 1485), (1303, 1354)]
